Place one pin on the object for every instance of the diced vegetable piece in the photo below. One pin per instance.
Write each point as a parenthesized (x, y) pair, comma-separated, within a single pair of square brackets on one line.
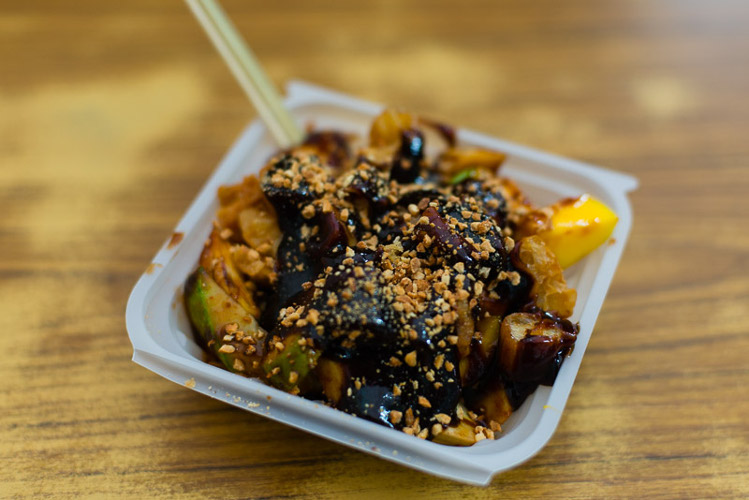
[(532, 346), (333, 378), (464, 327), (387, 127), (463, 434), (247, 213), (259, 227), (578, 226), (216, 316), (260, 269), (494, 405), (288, 367), (463, 175), (332, 233), (549, 287), (455, 160), (218, 261), (489, 329)]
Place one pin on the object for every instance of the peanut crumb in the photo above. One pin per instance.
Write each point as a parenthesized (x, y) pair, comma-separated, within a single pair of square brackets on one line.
[(308, 212), (443, 418)]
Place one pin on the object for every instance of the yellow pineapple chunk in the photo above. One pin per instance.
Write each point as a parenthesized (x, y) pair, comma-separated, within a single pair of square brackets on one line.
[(578, 226)]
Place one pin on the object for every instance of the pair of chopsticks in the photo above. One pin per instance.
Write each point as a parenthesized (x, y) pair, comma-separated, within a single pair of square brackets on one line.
[(247, 70)]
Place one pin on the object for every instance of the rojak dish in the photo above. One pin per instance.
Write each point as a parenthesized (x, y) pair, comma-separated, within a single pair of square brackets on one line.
[(420, 291)]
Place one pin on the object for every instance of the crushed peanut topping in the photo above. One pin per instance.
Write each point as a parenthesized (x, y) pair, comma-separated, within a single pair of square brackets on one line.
[(384, 268), (443, 418), (308, 212), (410, 358)]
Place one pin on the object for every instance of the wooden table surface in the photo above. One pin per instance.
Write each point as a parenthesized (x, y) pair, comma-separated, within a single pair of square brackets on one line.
[(113, 114)]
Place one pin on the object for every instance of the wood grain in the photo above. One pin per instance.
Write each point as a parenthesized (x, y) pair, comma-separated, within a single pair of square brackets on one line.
[(112, 115)]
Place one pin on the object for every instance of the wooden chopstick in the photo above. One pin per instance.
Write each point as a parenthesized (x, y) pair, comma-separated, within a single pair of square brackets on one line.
[(248, 71)]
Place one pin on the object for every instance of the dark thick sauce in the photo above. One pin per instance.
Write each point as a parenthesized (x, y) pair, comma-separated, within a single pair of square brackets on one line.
[(409, 279), (364, 331)]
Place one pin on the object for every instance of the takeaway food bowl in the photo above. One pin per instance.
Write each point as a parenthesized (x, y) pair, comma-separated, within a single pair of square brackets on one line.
[(162, 340)]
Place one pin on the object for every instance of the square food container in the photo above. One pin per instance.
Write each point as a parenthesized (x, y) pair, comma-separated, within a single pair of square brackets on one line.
[(162, 340)]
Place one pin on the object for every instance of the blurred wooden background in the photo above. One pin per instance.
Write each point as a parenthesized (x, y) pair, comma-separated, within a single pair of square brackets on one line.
[(113, 114)]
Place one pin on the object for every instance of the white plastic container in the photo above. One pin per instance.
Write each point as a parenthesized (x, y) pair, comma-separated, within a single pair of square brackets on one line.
[(163, 343)]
